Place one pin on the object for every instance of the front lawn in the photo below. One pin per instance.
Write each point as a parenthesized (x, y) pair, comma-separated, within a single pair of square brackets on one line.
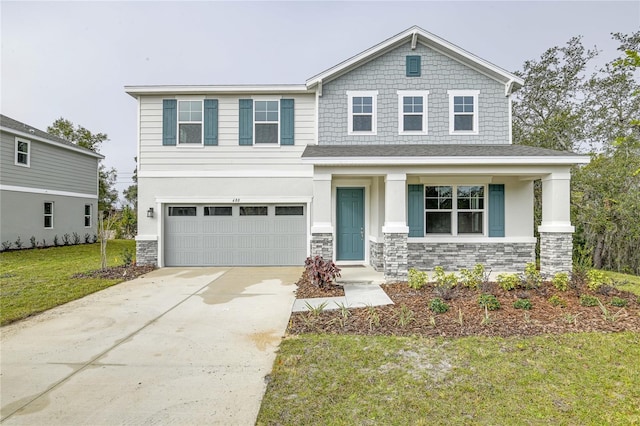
[(33, 281), (582, 378), (625, 281)]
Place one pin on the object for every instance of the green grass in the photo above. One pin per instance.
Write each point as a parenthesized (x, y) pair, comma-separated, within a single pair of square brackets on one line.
[(586, 379), (625, 281), (33, 281)]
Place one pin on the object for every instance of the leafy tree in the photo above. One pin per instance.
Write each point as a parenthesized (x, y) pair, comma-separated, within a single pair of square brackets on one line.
[(131, 193), (63, 128)]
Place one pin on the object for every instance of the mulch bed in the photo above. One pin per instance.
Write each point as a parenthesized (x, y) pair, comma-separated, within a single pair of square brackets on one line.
[(306, 290), (465, 317), (127, 272)]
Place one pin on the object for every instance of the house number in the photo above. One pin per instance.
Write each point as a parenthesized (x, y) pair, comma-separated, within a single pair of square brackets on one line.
[(236, 200)]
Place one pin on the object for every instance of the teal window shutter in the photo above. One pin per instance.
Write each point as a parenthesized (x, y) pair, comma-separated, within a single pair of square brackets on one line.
[(169, 121), (211, 122), (246, 122), (413, 66), (287, 122), (415, 210), (496, 210)]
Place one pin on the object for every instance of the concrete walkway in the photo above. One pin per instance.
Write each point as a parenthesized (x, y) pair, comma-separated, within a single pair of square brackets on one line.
[(179, 346)]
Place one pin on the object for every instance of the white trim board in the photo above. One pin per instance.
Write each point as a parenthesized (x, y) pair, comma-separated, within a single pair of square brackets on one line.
[(46, 191)]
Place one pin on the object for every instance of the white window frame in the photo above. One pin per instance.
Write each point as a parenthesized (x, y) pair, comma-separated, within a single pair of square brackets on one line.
[(201, 122), (373, 94), (472, 93), (45, 215), (28, 153), (277, 122), (89, 216), (454, 211), (424, 94)]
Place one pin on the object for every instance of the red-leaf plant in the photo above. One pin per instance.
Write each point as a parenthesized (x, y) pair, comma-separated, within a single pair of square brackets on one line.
[(321, 272)]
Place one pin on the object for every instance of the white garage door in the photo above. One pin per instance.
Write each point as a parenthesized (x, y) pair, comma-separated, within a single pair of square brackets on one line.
[(238, 235)]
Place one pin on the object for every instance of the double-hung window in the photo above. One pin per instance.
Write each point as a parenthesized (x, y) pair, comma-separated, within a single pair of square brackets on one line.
[(412, 108), (87, 215), (463, 112), (23, 156), (362, 107), (189, 122), (48, 214), (454, 210), (266, 122)]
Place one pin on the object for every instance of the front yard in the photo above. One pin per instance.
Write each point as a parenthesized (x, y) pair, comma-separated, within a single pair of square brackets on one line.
[(33, 281)]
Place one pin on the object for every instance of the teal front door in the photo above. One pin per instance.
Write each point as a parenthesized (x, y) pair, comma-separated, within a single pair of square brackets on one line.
[(350, 224)]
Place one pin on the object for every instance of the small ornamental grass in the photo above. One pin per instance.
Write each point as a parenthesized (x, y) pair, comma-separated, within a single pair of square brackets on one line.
[(618, 302)]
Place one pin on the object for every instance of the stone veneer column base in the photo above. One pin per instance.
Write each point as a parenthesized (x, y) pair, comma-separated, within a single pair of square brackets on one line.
[(376, 255), (322, 245), (395, 257), (146, 252), (556, 252)]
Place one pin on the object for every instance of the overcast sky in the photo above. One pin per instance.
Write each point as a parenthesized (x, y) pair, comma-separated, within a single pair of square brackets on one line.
[(72, 59)]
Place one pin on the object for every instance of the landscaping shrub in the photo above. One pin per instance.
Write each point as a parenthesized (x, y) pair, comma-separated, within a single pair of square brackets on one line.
[(508, 281), (87, 238), (523, 304), (76, 238), (321, 272), (489, 301), (444, 284), (561, 281), (18, 243), (532, 277), (33, 242), (596, 279), (66, 239), (417, 279), (55, 240), (438, 306), (588, 300), (618, 302), (6, 245), (556, 300), (473, 279)]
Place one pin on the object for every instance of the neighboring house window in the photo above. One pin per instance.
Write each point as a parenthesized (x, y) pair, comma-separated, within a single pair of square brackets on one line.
[(23, 157), (189, 122), (87, 215), (266, 122), (48, 214), (463, 112), (454, 210), (362, 112), (412, 112)]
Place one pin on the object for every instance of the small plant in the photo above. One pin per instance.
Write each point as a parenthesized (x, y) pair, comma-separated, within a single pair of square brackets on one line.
[(315, 310), (596, 278), (417, 279), (532, 277), (572, 318), (486, 320), (561, 281), (556, 300), (405, 316), (374, 317), (508, 281), (473, 279), (489, 301), (321, 272), (344, 310), (33, 242), (6, 245), (127, 257), (618, 302), (87, 238), (523, 304), (18, 243), (438, 306), (94, 238), (460, 318), (55, 240), (444, 284), (76, 238), (588, 300), (611, 317), (66, 239), (44, 243)]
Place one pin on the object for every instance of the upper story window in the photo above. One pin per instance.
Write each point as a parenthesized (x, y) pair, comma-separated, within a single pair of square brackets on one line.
[(266, 122), (463, 112), (362, 112), (23, 153), (189, 122), (48, 214), (454, 210), (412, 109)]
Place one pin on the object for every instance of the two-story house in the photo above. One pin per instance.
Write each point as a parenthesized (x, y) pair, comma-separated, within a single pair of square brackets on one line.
[(398, 157), (48, 186)]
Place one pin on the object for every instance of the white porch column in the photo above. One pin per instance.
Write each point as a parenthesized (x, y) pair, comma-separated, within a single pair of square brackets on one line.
[(556, 231), (395, 227), (321, 229)]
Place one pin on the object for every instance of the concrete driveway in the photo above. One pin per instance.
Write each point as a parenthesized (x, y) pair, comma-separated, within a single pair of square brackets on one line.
[(178, 346)]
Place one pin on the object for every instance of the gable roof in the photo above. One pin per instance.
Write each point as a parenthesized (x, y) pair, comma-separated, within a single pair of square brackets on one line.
[(436, 154), (415, 35), (18, 128)]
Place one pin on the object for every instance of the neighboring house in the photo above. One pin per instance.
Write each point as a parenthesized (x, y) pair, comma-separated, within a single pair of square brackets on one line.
[(398, 157), (48, 186)]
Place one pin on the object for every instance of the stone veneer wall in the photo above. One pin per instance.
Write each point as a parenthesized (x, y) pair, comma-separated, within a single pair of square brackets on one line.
[(395, 257), (500, 257), (556, 252), (322, 245), (147, 252), (376, 255)]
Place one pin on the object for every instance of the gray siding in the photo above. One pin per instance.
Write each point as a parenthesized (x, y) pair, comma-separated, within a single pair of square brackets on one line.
[(22, 215), (51, 168), (387, 75)]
